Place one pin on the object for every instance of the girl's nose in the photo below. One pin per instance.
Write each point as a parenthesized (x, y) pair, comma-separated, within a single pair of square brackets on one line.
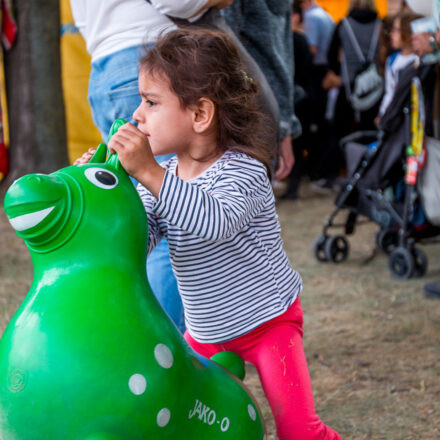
[(137, 114)]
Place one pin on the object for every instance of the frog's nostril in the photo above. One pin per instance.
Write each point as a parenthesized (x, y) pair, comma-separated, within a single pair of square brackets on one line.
[(33, 178)]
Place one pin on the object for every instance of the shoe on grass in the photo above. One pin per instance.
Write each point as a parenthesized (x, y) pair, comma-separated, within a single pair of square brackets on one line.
[(322, 186), (432, 290)]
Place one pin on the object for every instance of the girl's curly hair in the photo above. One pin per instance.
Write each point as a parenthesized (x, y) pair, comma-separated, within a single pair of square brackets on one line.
[(205, 63)]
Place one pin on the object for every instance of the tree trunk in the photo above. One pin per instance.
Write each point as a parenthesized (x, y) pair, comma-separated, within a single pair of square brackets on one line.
[(34, 93)]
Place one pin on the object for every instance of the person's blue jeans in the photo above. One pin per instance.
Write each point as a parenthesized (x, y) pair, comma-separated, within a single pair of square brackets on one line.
[(114, 93)]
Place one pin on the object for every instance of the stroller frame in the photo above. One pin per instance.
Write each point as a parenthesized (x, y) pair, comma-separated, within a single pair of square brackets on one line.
[(397, 236)]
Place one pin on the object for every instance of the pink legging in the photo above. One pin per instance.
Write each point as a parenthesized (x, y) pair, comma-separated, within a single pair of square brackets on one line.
[(276, 350)]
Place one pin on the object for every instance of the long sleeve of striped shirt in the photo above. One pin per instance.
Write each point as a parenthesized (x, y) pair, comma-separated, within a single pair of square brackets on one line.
[(155, 233), (240, 193), (225, 246)]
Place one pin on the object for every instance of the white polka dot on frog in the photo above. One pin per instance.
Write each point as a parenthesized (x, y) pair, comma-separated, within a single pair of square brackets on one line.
[(252, 413), (163, 417), (137, 384), (163, 356)]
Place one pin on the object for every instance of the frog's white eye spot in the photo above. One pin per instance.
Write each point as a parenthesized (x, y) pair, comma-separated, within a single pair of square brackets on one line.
[(101, 177)]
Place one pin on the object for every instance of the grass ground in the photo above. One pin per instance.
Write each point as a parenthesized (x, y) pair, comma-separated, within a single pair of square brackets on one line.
[(372, 343)]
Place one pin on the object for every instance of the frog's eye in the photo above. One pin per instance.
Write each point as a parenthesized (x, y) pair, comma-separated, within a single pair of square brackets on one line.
[(102, 178)]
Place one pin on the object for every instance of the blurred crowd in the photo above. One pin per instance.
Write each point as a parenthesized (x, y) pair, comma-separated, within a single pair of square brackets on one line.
[(346, 75)]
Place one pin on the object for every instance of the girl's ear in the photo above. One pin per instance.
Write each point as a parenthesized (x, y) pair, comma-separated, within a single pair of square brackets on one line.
[(203, 115)]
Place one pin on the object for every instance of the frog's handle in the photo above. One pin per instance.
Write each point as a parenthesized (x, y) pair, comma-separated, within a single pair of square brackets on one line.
[(115, 127), (102, 149), (100, 154)]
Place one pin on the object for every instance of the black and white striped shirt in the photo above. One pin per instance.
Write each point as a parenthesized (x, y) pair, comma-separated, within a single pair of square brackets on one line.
[(225, 246)]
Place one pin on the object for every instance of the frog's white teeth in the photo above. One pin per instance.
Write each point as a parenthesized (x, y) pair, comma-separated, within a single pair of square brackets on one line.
[(27, 221)]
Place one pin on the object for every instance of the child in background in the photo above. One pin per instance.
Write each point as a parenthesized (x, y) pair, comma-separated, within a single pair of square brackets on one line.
[(214, 203), (400, 39)]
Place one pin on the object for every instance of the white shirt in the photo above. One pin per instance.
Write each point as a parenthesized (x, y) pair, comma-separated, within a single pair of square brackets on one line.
[(393, 66), (225, 246), (112, 25)]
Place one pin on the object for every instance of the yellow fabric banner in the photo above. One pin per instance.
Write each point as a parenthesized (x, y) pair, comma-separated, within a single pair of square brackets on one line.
[(75, 66)]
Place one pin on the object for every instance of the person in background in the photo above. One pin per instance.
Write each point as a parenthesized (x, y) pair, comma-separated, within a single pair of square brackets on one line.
[(424, 44), (385, 49), (303, 62), (318, 28), (404, 7), (263, 28), (116, 32), (403, 55), (363, 20)]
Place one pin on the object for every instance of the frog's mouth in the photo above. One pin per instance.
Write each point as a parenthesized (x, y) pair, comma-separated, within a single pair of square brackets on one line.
[(44, 210), (28, 221)]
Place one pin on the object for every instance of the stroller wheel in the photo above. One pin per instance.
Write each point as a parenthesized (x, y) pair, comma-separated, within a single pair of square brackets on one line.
[(421, 262), (386, 240), (401, 263), (318, 248), (336, 248)]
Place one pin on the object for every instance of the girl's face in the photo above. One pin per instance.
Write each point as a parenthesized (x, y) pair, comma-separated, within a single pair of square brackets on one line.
[(161, 117), (396, 35)]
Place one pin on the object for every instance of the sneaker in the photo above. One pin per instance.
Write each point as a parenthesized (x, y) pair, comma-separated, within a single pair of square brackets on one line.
[(289, 195), (339, 182), (432, 290), (322, 186)]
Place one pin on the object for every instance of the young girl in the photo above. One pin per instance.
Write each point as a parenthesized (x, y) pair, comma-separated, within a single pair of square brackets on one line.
[(400, 39), (214, 204)]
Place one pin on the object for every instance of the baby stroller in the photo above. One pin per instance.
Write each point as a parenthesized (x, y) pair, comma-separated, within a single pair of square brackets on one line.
[(382, 169)]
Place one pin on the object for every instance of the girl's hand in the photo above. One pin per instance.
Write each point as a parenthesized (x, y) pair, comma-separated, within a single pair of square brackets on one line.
[(85, 157), (134, 153)]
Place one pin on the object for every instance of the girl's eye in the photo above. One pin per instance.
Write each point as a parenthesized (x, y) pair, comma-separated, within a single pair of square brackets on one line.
[(150, 103), (102, 178)]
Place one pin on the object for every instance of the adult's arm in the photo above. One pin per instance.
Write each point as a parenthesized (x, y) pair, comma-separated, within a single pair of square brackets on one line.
[(390, 87), (264, 29), (312, 28), (334, 50), (286, 159), (187, 8)]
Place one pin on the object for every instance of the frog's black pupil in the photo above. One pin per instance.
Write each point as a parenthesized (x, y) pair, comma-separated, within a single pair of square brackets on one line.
[(105, 178)]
